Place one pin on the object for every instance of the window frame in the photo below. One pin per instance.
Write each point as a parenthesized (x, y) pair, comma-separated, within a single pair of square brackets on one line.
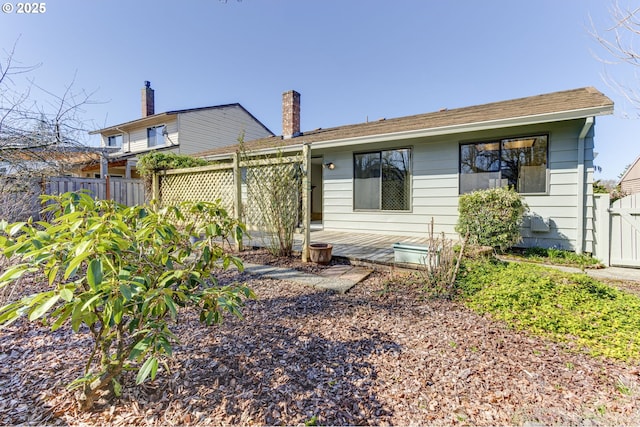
[(409, 178), (109, 138), (500, 141), (162, 134)]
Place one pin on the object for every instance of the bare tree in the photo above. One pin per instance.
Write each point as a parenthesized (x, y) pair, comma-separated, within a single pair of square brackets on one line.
[(37, 137), (619, 42)]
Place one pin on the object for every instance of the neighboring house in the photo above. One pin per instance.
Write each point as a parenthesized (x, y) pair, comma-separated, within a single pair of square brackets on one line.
[(27, 170), (630, 181), (54, 160), (181, 131), (393, 176)]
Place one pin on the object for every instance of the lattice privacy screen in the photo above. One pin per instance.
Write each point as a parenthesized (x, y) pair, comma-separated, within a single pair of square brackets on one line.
[(207, 186), (273, 194)]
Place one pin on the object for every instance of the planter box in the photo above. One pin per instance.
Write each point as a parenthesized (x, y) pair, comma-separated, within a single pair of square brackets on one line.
[(408, 253), (320, 253)]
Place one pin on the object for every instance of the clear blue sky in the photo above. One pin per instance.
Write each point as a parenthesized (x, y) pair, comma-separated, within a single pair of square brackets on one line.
[(350, 59)]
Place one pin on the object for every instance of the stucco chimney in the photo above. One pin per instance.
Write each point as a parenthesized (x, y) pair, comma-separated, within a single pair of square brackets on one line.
[(290, 114), (148, 101)]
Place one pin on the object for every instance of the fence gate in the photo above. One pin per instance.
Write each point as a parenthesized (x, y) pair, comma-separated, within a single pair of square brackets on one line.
[(624, 247)]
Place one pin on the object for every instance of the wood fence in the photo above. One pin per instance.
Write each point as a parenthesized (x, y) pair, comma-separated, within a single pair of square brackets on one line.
[(624, 242), (129, 192)]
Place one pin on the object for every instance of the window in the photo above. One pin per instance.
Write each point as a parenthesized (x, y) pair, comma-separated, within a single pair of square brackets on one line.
[(381, 180), (114, 141), (520, 163), (155, 136)]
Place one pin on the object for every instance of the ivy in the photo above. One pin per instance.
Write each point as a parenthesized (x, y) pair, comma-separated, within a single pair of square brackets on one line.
[(157, 161)]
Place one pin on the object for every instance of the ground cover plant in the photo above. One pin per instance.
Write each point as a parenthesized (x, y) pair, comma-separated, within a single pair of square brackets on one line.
[(573, 308), (555, 256), (121, 274)]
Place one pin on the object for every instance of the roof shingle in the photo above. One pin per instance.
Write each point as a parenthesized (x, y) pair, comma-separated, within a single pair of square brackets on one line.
[(557, 102)]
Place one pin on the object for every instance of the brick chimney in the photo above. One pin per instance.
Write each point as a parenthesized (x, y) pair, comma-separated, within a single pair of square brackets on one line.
[(148, 102), (290, 114)]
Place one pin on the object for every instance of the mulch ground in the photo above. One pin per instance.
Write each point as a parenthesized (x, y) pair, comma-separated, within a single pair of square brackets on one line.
[(382, 354)]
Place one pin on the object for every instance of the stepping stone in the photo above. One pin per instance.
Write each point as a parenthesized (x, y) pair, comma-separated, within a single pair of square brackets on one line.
[(346, 273), (335, 270)]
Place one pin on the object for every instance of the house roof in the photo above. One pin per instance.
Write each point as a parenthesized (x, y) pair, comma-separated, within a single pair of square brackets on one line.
[(152, 119), (557, 106), (70, 155), (629, 169)]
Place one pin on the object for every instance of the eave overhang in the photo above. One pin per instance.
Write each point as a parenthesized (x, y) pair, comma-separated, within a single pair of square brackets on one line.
[(134, 124), (434, 131), (467, 127)]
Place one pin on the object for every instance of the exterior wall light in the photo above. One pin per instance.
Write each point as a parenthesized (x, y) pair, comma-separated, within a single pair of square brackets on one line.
[(330, 166)]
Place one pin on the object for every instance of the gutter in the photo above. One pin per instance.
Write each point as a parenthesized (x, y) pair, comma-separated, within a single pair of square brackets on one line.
[(468, 127), (133, 123), (436, 131), (581, 205), (128, 139)]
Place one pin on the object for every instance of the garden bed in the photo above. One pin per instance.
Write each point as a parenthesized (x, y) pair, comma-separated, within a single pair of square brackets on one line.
[(378, 355)]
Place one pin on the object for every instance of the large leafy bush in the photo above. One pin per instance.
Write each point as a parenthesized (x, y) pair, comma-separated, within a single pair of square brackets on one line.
[(123, 273), (491, 217)]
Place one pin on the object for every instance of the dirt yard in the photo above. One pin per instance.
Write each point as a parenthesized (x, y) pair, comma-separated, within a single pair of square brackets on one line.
[(377, 355)]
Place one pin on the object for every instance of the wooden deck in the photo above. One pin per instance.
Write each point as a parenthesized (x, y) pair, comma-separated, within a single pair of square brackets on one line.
[(367, 248)]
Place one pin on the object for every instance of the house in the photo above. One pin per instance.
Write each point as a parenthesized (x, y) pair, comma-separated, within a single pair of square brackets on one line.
[(393, 176), (48, 160), (630, 180), (180, 131), (27, 169)]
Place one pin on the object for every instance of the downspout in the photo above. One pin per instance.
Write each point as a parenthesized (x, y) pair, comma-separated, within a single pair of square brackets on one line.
[(306, 200), (581, 205), (128, 140), (127, 171)]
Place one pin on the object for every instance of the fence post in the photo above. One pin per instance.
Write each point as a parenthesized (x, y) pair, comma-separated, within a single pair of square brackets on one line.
[(155, 187), (306, 200), (237, 193), (107, 190), (602, 226)]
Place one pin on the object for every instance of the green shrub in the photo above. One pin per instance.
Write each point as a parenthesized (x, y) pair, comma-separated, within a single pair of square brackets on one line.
[(599, 188), (124, 273), (491, 217), (565, 307)]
